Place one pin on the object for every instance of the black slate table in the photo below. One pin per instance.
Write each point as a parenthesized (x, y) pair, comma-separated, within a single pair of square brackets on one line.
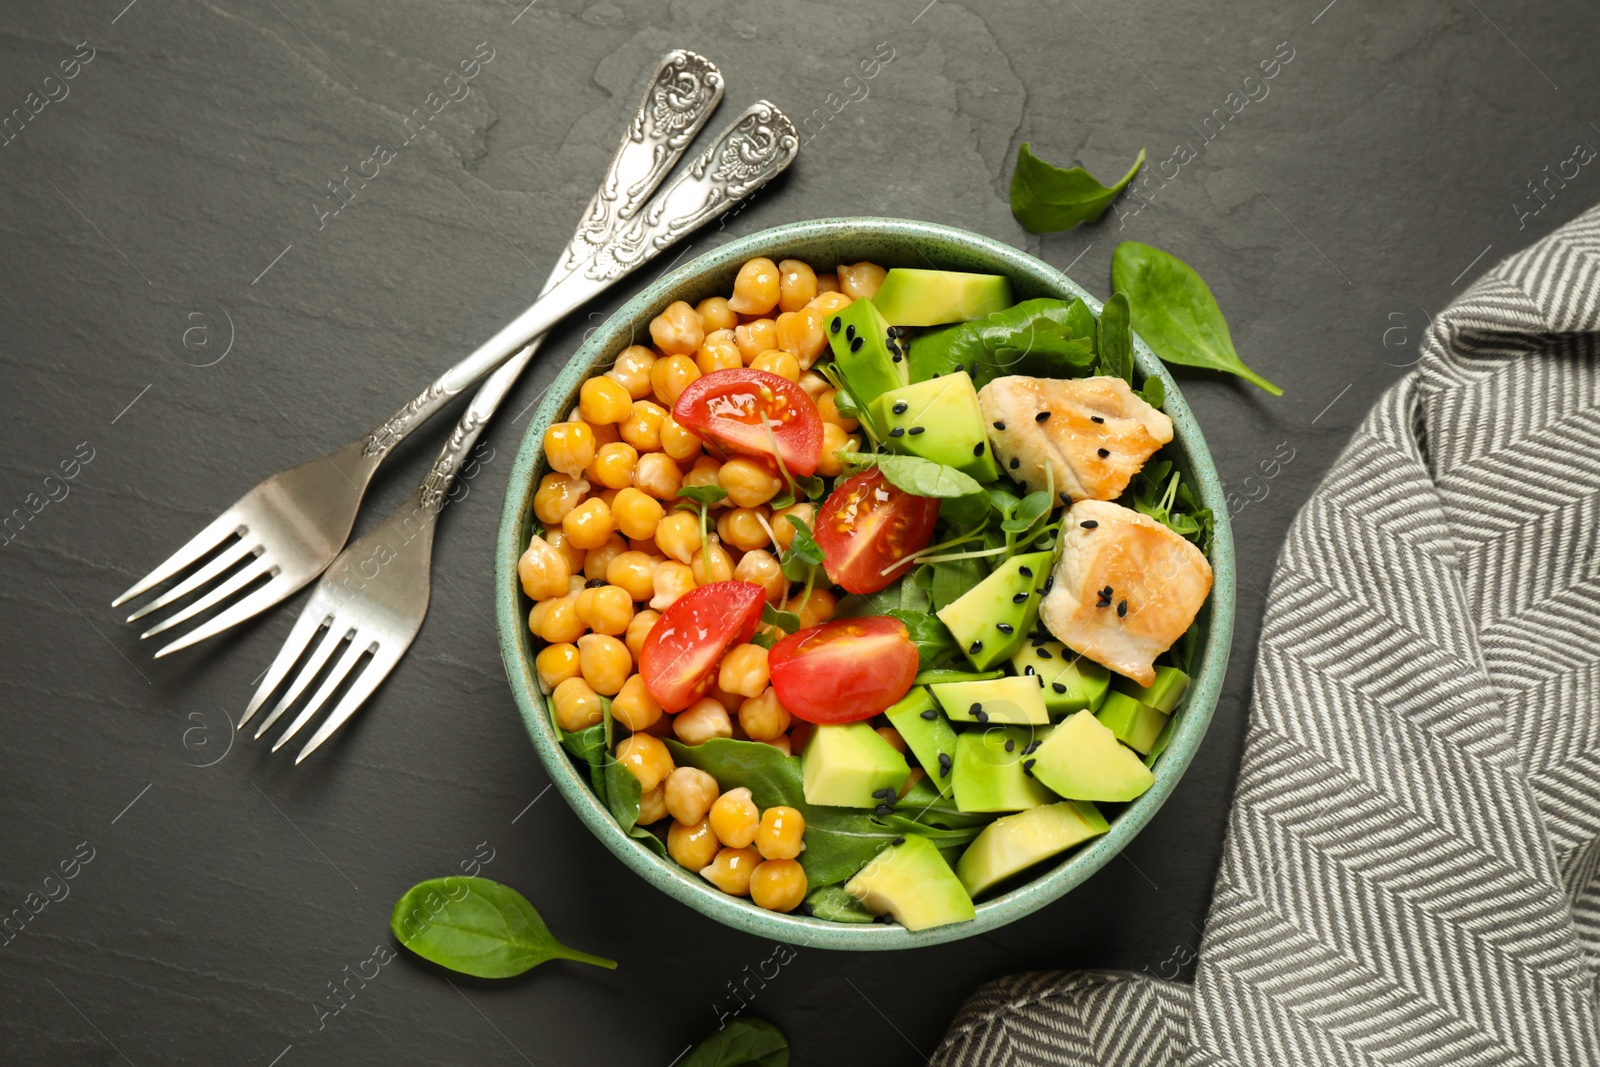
[(183, 313)]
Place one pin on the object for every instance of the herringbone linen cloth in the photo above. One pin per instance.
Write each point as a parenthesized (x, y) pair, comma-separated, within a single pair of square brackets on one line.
[(1409, 873)]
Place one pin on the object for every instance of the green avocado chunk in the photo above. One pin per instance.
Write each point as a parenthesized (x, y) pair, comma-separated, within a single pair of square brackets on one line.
[(938, 419), (991, 777), (1136, 725), (1013, 843), (913, 883), (991, 620), (1013, 700), (1083, 760), (1163, 694), (847, 765), (1070, 682), (911, 297), (928, 734), (860, 341)]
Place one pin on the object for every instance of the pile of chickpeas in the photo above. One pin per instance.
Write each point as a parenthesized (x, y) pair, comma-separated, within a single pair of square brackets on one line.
[(614, 553)]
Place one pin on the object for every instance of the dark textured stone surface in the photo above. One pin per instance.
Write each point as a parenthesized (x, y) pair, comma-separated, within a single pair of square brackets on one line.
[(1380, 173)]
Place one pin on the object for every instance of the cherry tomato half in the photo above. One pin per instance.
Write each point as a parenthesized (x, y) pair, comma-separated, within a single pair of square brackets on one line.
[(844, 670), (734, 408), (680, 656), (867, 524)]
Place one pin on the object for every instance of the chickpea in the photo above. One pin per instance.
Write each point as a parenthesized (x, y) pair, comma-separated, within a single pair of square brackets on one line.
[(735, 818), (830, 304), (748, 481), (730, 702), (556, 620), (652, 807), (677, 331), (605, 433), (638, 630), (606, 610), (754, 338), (715, 314), (614, 463), (744, 528), (672, 580), (569, 446), (891, 735), (634, 573), (604, 661), (762, 568), (704, 472), (632, 370), (602, 400), (557, 495), (671, 376), (678, 441), (701, 721), (657, 475), (542, 570), (797, 284), (589, 524), (828, 408), (814, 384), (755, 290), (762, 717), (778, 885), (861, 281), (781, 833), (647, 758), (727, 336), (801, 333), (744, 671), (783, 529), (596, 560), (834, 441), (678, 536), (555, 664), (690, 793), (711, 564), (635, 513), (718, 355), (730, 871), (634, 707), (815, 609), (694, 846), (777, 361), (782, 745), (642, 429), (577, 705)]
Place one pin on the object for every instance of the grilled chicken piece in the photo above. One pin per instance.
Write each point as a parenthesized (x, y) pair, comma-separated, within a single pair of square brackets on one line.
[(1125, 588), (1094, 433)]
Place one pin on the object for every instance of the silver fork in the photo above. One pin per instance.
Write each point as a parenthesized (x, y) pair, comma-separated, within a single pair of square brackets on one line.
[(373, 598), (286, 530)]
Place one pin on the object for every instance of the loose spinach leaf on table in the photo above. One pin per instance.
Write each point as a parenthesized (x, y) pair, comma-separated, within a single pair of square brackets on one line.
[(1046, 198), (478, 927), (1036, 337), (1174, 311), (1116, 339), (915, 475), (745, 1042)]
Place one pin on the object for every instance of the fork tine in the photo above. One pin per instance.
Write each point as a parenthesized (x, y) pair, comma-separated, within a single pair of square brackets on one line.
[(201, 543), (305, 628), (340, 669), (257, 602), (226, 589), (382, 663), (199, 578), (330, 644)]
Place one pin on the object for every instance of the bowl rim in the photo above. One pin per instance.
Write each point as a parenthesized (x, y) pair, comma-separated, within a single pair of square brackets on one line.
[(683, 885)]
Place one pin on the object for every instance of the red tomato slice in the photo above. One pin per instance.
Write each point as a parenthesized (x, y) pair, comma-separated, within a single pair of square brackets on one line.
[(844, 670), (680, 657), (733, 408), (867, 524)]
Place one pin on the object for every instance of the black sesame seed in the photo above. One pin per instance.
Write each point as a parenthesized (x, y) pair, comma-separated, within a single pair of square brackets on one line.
[(983, 716), (1031, 746), (1027, 767), (855, 346), (1043, 416), (977, 449), (977, 646), (1106, 592), (898, 431), (1041, 680), (944, 765), (850, 333), (900, 407), (976, 709), (1102, 453), (897, 357), (1011, 744), (958, 369), (1048, 582), (1065, 498), (1044, 653), (834, 325), (884, 793), (1122, 608), (930, 714), (594, 583), (1096, 418), (999, 425), (883, 809), (1089, 524), (1005, 628), (918, 429), (886, 919), (1019, 598), (1026, 572), (1015, 463), (1058, 687), (1029, 669), (898, 841)]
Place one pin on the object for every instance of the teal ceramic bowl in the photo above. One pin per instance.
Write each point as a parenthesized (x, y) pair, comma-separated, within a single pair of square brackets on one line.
[(890, 242)]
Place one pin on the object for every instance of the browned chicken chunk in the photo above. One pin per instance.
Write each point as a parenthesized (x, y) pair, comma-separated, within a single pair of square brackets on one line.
[(1125, 588), (1093, 433)]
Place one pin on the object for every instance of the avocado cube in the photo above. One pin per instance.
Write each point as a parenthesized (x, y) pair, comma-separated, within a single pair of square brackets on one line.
[(928, 734), (989, 776), (938, 419), (1083, 760), (1136, 725), (860, 341), (1013, 843), (1014, 700), (912, 297), (847, 765), (1163, 694), (1070, 682), (991, 620), (913, 883)]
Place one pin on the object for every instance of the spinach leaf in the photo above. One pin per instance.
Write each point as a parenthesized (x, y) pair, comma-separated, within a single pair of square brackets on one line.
[(933, 640), (833, 903), (963, 514), (744, 1042), (917, 476), (1083, 323), (622, 795), (478, 927), (1153, 393), (953, 577), (926, 805), (1116, 339), (1035, 337), (589, 745), (1046, 198), (1175, 313), (803, 552)]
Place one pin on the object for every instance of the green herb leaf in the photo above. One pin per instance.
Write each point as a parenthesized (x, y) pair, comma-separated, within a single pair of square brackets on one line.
[(1153, 393), (933, 639), (745, 1042), (704, 495), (787, 621), (478, 927), (803, 553), (1033, 507), (765, 640), (1035, 337), (831, 902), (1175, 313), (1116, 339), (1046, 198)]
